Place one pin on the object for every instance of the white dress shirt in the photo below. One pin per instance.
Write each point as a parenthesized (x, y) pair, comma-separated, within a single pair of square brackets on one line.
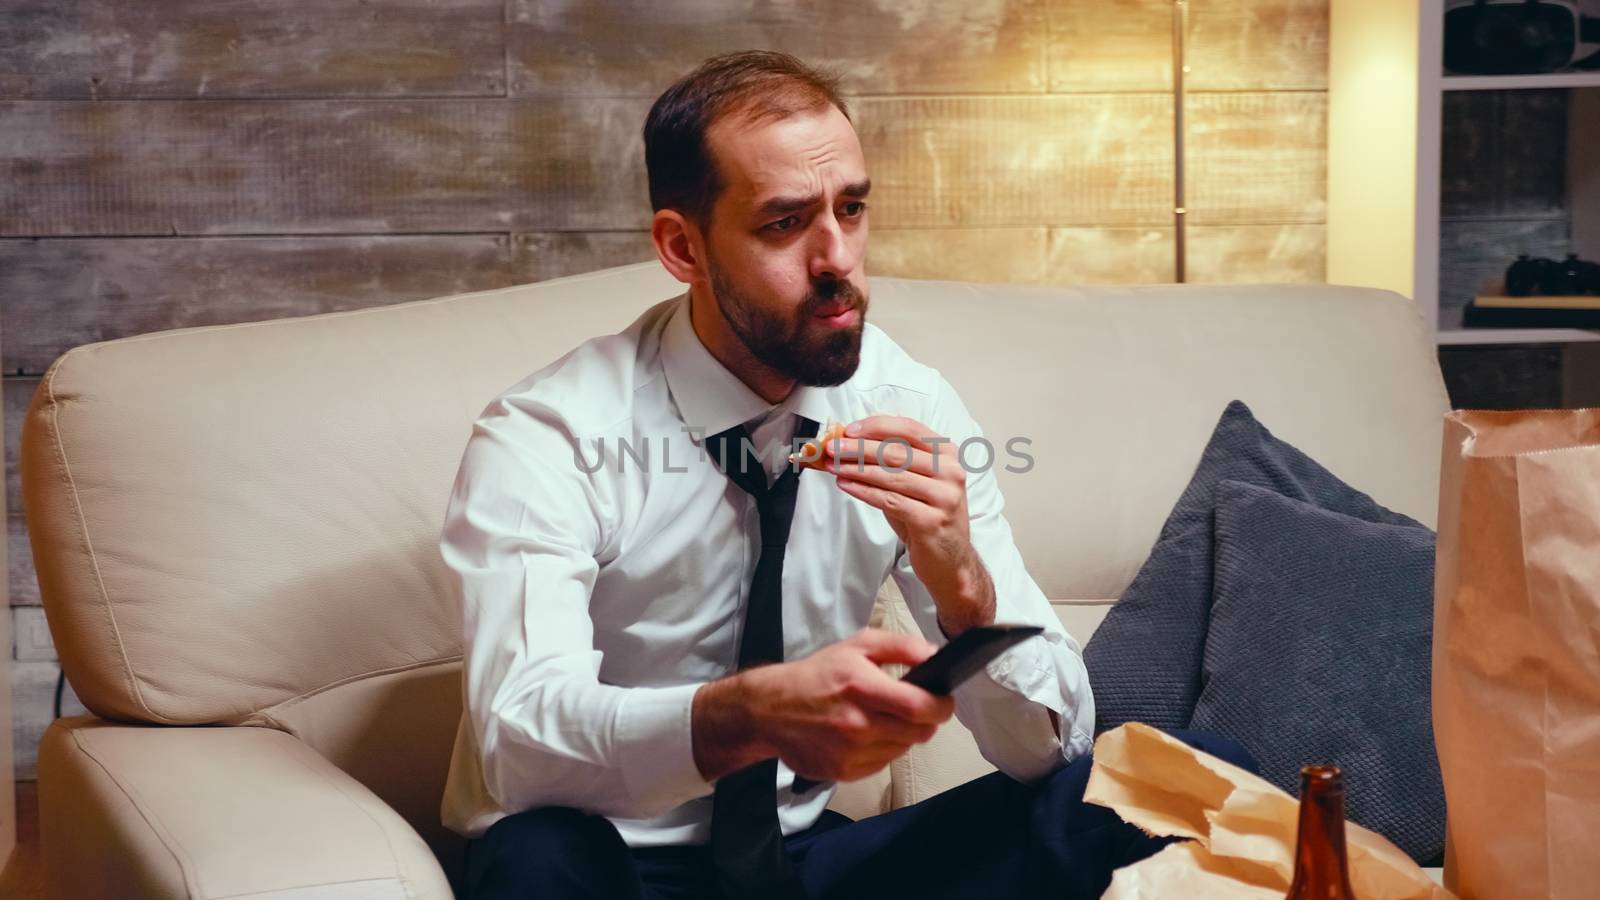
[(595, 603)]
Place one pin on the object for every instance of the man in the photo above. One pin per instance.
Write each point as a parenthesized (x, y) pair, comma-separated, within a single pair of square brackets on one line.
[(657, 644)]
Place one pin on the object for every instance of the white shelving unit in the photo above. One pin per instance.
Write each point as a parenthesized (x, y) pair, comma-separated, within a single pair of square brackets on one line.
[(1519, 82), (1385, 103), (1458, 336)]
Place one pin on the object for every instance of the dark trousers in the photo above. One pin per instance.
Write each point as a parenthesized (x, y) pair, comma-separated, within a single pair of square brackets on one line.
[(990, 837)]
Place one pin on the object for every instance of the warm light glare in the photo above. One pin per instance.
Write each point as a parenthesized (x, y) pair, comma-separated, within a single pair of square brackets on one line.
[(1372, 121)]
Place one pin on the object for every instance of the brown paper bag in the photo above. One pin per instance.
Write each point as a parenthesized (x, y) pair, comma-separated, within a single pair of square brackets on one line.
[(1243, 827), (1516, 653)]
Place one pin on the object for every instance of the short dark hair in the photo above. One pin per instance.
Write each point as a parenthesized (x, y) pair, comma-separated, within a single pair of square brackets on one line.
[(761, 85)]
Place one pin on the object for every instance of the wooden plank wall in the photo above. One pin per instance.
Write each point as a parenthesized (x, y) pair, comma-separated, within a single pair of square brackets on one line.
[(186, 162)]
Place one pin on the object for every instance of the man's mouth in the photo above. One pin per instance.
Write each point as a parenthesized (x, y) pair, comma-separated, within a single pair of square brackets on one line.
[(837, 315)]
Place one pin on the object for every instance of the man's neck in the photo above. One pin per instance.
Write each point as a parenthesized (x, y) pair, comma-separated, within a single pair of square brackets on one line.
[(726, 348)]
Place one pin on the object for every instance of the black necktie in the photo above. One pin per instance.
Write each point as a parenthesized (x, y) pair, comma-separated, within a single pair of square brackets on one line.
[(746, 842)]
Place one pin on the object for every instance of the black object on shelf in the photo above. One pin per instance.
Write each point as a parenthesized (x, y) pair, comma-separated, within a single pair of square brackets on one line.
[(1475, 316), (1519, 37), (1532, 277), (1565, 278), (1524, 276)]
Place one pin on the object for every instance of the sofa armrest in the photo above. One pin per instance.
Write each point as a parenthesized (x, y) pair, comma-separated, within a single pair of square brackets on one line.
[(238, 812)]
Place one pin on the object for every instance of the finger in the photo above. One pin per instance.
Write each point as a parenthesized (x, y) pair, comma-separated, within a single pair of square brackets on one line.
[(887, 696), (883, 646), (924, 489), (879, 427), (921, 708), (860, 453), (886, 752), (918, 515), (888, 728), (873, 762)]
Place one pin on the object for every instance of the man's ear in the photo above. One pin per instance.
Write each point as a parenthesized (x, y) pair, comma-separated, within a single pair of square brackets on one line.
[(679, 245)]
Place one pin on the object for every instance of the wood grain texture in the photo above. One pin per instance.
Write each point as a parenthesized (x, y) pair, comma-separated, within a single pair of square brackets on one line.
[(310, 167), (75, 291), (1255, 158), (1239, 254), (1090, 159), (160, 167), (31, 634), (1217, 254), (545, 255), (15, 394), (958, 254), (19, 564), (105, 49), (1258, 45), (1232, 45), (636, 48), (1110, 255), (33, 694), (1110, 45)]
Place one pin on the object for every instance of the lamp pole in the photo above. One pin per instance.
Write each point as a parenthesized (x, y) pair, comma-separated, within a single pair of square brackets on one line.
[(1180, 22)]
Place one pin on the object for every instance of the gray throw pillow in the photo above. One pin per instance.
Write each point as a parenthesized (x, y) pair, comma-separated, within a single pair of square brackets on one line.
[(1319, 651), (1144, 659)]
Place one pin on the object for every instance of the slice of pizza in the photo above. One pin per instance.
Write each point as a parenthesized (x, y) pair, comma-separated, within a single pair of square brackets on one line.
[(811, 454)]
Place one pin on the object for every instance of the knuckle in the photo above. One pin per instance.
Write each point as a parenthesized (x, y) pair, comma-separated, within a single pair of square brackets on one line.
[(851, 723)]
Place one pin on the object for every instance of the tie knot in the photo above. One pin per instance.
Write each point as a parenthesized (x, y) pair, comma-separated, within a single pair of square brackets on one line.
[(734, 452)]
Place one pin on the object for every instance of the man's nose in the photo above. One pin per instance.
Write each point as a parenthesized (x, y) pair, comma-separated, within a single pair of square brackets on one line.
[(833, 252)]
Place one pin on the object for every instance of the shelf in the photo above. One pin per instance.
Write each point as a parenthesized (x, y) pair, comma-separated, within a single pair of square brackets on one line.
[(1520, 82), (1467, 336)]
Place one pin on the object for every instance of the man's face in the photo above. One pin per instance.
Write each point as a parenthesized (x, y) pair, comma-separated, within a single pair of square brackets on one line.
[(787, 244)]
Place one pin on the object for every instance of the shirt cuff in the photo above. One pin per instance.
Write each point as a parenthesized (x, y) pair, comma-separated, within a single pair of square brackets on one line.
[(1024, 669), (1028, 671), (655, 745)]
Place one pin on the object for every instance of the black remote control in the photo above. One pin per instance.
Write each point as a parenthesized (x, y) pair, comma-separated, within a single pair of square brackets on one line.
[(954, 663)]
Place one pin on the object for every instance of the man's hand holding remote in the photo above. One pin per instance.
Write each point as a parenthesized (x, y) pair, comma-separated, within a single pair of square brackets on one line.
[(833, 716)]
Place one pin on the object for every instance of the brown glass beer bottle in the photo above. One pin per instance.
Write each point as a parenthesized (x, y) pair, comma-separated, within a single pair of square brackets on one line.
[(1321, 869)]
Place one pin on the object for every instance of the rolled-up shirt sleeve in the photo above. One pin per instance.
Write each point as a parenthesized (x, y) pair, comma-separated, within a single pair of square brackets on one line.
[(1005, 705), (522, 532)]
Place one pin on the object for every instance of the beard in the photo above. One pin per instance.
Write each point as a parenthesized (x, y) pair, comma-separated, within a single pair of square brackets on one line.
[(797, 345)]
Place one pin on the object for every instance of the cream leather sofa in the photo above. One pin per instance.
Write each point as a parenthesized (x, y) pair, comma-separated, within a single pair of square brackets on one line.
[(235, 532)]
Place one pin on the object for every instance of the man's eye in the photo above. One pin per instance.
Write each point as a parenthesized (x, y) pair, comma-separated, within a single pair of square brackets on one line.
[(855, 208), (784, 224)]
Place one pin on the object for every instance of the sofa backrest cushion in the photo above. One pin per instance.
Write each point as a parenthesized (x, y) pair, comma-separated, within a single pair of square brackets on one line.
[(231, 519)]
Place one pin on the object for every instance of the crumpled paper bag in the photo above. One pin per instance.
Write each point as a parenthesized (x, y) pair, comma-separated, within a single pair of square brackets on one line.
[(1242, 827)]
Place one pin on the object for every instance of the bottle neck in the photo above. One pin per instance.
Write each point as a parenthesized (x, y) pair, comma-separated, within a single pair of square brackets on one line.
[(1320, 858)]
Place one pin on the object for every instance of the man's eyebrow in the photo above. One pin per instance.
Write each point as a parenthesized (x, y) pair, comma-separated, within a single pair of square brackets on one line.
[(785, 205)]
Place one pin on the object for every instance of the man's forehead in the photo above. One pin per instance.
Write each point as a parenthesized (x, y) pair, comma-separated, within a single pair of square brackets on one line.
[(759, 160)]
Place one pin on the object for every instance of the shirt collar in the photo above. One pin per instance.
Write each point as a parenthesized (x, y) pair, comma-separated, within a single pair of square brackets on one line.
[(712, 399)]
